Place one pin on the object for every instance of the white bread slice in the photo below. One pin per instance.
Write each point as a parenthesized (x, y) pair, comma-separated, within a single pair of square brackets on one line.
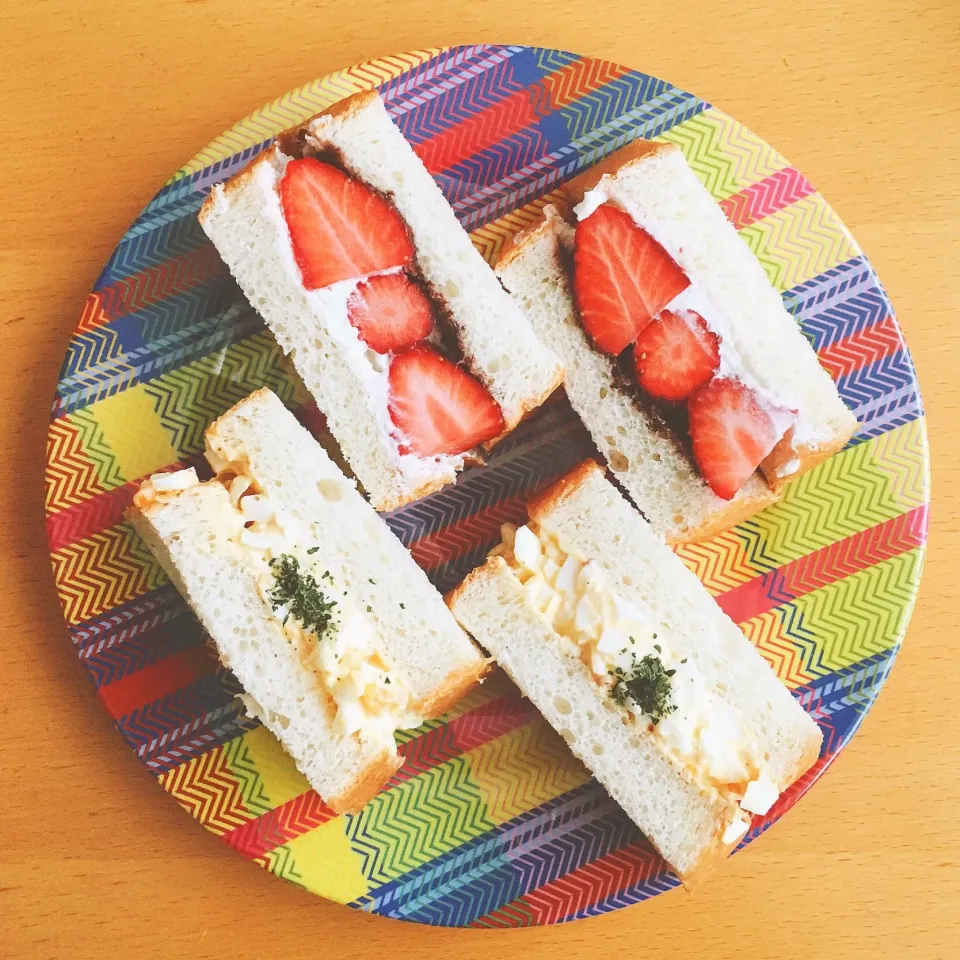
[(245, 221), (498, 343), (261, 439), (685, 820), (646, 457), (210, 571), (655, 185)]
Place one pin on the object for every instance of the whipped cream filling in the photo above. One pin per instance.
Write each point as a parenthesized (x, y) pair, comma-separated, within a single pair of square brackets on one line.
[(731, 364), (610, 635), (370, 697), (329, 306), (785, 410)]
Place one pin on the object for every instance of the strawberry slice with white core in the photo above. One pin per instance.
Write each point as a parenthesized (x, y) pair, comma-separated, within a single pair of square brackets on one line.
[(390, 313), (437, 407), (675, 354), (622, 278), (731, 434), (339, 228)]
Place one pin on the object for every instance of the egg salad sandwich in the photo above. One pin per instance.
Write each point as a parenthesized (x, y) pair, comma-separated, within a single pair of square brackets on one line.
[(343, 242), (625, 653), (335, 634), (696, 384)]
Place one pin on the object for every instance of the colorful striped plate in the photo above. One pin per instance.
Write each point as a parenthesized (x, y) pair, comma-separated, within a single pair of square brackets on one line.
[(489, 822)]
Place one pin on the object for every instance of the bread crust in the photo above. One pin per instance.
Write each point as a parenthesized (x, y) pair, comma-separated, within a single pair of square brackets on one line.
[(291, 142), (736, 511), (384, 506), (638, 150), (709, 860), (228, 187), (806, 456), (368, 784), (494, 567), (515, 245), (806, 760), (732, 512), (452, 690), (486, 569), (551, 498)]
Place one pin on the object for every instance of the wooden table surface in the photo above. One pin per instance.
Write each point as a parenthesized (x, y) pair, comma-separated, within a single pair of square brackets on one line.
[(102, 100)]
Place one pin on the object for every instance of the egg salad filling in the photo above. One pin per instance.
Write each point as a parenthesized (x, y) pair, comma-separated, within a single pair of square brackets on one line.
[(629, 655), (330, 635)]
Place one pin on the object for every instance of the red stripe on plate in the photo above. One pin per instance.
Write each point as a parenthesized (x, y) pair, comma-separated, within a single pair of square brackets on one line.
[(766, 197), (77, 522), (862, 348), (446, 544), (482, 130), (127, 694), (823, 567), (161, 281), (581, 888), (292, 819)]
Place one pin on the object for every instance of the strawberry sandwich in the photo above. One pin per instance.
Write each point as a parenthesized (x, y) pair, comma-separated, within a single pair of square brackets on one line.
[(695, 382), (341, 239)]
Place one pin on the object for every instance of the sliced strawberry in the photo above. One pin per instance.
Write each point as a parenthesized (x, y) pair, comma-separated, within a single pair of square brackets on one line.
[(339, 228), (390, 313), (437, 406), (622, 278), (731, 434), (675, 354)]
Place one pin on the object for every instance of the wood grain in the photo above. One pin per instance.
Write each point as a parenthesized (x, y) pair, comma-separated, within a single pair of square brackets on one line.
[(101, 101)]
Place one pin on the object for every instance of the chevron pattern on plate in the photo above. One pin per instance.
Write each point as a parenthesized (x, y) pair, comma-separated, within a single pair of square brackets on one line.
[(489, 822)]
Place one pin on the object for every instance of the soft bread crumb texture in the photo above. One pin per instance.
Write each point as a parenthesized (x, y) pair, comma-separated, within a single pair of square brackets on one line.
[(661, 192), (647, 460), (591, 518), (415, 628), (683, 819), (244, 221), (499, 345), (221, 588)]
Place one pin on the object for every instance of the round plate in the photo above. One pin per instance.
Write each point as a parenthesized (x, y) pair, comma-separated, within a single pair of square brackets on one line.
[(490, 822)]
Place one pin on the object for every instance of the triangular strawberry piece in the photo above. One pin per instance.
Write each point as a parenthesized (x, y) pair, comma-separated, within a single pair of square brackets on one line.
[(339, 228), (622, 278), (437, 407), (731, 434)]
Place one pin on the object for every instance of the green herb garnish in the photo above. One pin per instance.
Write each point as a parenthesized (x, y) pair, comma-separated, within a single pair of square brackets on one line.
[(301, 595), (312, 551), (648, 685)]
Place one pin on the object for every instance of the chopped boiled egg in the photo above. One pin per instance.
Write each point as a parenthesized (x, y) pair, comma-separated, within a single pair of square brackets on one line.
[(624, 648), (566, 581), (526, 548), (587, 617), (612, 641), (761, 794), (178, 480), (551, 570)]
